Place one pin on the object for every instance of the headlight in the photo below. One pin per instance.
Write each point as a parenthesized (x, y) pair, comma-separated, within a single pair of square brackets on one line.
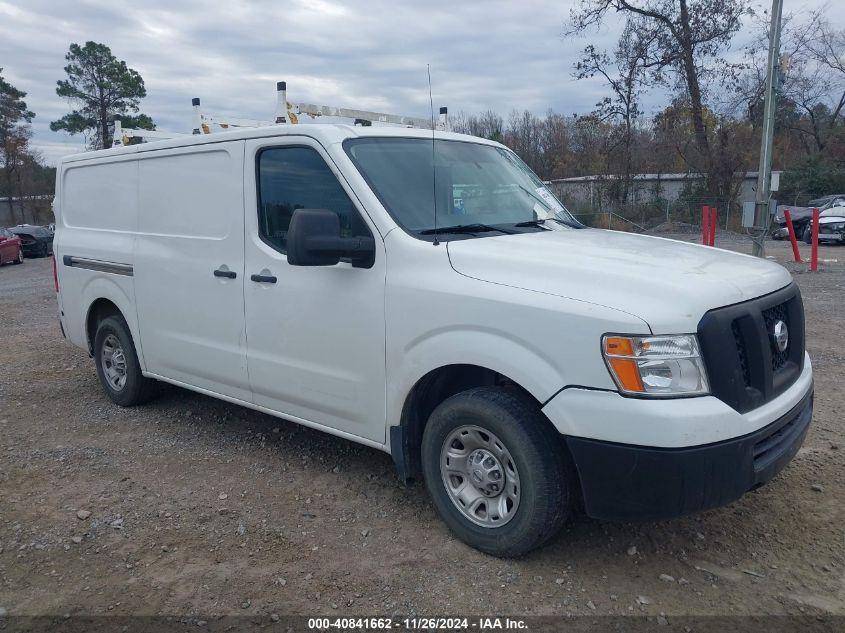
[(656, 365)]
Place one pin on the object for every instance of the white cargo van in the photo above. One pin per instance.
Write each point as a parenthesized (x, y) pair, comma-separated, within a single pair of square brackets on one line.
[(434, 300)]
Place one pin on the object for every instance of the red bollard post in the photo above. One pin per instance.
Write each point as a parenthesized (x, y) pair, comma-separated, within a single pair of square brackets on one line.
[(789, 227), (814, 247), (705, 225), (714, 220)]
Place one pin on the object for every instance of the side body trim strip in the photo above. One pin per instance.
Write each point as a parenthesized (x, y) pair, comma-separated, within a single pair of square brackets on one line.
[(115, 268)]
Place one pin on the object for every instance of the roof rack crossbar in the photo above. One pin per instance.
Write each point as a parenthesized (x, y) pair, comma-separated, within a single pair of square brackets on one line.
[(314, 111), (124, 135), (287, 112)]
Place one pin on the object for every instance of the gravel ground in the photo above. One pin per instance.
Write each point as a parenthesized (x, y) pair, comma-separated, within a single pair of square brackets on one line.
[(191, 506)]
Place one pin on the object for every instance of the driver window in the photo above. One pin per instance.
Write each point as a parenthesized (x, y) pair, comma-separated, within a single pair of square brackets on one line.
[(291, 178)]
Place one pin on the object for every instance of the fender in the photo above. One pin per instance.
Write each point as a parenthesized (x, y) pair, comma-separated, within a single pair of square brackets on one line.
[(120, 291), (490, 348)]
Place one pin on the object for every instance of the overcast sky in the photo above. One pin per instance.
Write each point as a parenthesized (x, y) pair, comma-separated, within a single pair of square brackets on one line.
[(368, 54)]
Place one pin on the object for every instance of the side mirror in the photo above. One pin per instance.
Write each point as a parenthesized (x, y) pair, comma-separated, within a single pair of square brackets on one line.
[(313, 239)]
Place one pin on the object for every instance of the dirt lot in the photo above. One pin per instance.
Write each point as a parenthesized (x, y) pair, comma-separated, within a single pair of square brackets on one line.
[(202, 508)]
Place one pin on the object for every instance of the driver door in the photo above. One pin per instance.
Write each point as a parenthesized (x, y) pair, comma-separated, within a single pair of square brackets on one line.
[(315, 335)]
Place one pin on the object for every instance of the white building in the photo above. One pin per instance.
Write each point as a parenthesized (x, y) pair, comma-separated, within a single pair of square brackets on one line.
[(588, 190)]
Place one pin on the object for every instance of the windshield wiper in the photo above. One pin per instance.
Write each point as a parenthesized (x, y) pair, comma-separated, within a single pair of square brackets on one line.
[(465, 228), (542, 221), (537, 223)]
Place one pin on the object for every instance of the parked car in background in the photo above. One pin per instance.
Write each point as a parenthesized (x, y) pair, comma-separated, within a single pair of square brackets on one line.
[(11, 249), (37, 241), (829, 206), (831, 230), (800, 220)]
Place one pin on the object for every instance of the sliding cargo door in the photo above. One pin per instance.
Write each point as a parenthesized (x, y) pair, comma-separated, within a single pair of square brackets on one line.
[(189, 267)]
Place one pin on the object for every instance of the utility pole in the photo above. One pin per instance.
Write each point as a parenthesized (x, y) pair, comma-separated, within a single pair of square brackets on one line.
[(761, 206)]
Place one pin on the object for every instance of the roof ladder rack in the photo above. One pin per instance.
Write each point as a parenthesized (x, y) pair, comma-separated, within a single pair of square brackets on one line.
[(290, 113), (286, 113)]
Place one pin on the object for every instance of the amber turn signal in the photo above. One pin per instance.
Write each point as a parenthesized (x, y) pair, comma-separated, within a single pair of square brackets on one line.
[(627, 373)]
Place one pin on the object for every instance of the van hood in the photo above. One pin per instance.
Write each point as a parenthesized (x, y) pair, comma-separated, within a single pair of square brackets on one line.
[(667, 283)]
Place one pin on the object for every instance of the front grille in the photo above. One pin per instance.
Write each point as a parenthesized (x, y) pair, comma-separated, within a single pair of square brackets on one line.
[(740, 350), (770, 317), (744, 366)]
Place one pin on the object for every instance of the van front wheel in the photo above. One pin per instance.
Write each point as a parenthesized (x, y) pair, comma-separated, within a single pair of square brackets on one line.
[(496, 471), (117, 364)]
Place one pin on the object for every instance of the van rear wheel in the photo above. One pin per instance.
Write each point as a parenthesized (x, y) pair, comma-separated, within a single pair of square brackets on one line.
[(496, 471), (117, 364)]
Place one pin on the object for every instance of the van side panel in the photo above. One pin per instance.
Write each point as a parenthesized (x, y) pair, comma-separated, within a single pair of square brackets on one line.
[(95, 236), (191, 224)]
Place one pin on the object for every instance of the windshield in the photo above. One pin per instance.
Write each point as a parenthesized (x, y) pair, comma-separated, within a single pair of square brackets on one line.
[(480, 189)]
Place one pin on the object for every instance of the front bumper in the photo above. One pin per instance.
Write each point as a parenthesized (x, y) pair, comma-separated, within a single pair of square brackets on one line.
[(624, 482), (831, 238)]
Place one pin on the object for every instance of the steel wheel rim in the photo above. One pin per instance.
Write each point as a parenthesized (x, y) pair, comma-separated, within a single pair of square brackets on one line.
[(473, 464), (113, 361)]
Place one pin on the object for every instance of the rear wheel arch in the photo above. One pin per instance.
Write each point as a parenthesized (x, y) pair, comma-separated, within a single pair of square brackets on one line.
[(98, 310)]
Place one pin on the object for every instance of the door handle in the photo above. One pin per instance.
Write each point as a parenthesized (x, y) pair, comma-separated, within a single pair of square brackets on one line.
[(228, 274), (263, 279)]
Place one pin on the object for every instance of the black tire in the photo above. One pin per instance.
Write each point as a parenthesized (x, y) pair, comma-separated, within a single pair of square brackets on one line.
[(808, 234), (136, 389), (540, 459)]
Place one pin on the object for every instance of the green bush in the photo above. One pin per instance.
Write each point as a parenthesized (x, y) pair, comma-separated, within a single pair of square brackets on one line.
[(812, 178)]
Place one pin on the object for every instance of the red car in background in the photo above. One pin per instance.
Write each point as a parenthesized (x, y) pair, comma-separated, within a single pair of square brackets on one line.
[(11, 249)]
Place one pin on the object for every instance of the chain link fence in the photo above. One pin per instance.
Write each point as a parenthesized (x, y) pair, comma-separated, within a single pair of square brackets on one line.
[(663, 216)]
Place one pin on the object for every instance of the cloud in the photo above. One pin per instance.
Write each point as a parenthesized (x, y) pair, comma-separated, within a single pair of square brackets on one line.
[(487, 54)]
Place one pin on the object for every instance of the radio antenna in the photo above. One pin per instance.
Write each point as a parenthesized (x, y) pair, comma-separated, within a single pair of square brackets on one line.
[(433, 154)]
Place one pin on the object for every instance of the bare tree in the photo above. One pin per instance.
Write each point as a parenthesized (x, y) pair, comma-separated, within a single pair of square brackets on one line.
[(487, 125), (555, 140), (812, 79), (816, 77), (689, 36), (624, 75), (524, 134)]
